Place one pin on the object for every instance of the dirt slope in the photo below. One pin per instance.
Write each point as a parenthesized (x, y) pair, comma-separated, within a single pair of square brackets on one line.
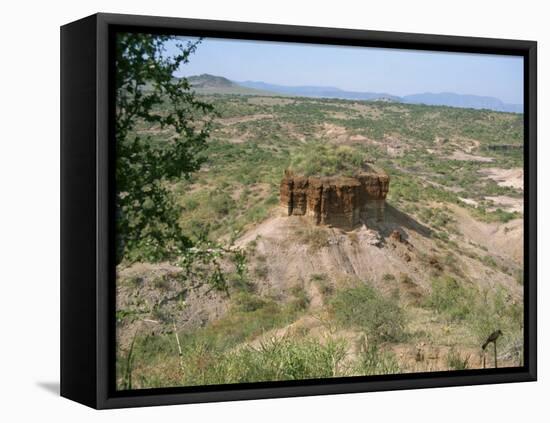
[(294, 250)]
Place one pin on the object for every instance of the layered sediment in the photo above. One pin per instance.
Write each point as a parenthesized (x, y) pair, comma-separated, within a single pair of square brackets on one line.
[(336, 200)]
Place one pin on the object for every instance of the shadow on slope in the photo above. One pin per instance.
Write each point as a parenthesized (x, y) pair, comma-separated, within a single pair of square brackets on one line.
[(396, 219)]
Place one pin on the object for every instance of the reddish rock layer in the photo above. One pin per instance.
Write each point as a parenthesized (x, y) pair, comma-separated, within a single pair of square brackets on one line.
[(338, 200)]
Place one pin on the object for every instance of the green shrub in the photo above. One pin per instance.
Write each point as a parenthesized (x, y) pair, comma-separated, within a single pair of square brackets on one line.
[(318, 277), (133, 281), (494, 311), (300, 300), (490, 262), (450, 297), (250, 317), (324, 285), (455, 361), (161, 282), (247, 302), (364, 308), (314, 237)]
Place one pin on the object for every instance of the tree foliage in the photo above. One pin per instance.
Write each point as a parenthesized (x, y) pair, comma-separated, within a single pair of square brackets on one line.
[(148, 94)]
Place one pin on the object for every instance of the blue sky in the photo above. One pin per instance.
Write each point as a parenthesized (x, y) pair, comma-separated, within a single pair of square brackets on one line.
[(392, 71)]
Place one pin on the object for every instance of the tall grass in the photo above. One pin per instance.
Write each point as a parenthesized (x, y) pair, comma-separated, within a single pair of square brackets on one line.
[(455, 361), (281, 359), (240, 347), (274, 359), (373, 361)]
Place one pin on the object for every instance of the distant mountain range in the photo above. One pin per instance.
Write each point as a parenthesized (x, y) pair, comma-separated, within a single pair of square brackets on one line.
[(211, 84), (314, 91), (206, 83), (463, 100)]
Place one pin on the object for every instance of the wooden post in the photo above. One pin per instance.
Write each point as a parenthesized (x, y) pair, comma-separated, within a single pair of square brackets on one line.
[(495, 345)]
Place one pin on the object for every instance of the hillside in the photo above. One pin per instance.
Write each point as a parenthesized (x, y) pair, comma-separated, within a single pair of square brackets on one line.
[(211, 84), (419, 290)]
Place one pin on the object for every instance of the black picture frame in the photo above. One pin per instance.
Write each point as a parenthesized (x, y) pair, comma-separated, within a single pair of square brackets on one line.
[(87, 247)]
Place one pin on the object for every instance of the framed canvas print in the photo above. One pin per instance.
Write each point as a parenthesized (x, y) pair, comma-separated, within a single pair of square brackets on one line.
[(254, 211)]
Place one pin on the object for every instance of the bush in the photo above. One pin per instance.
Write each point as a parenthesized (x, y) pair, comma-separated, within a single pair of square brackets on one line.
[(316, 238), (450, 297), (300, 300), (246, 302), (322, 159), (261, 271), (363, 308), (324, 285)]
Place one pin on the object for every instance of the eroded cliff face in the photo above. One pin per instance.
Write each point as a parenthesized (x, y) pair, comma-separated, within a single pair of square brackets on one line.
[(338, 200)]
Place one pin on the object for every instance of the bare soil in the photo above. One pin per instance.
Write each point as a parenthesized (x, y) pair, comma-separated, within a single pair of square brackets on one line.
[(505, 177), (461, 155)]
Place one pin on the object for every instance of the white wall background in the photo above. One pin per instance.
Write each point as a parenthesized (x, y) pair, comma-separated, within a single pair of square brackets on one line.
[(29, 209)]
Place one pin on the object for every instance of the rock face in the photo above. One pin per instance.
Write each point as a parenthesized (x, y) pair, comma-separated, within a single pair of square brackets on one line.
[(396, 236), (336, 200)]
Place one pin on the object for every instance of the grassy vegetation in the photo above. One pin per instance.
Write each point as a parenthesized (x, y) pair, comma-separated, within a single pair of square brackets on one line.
[(482, 311), (323, 159), (373, 361), (362, 307), (325, 285), (275, 359), (216, 354), (455, 361)]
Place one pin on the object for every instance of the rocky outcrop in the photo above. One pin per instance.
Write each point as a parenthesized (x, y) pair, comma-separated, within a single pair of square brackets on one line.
[(396, 236), (336, 200)]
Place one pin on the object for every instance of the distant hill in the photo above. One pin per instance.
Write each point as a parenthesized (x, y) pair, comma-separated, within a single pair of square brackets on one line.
[(211, 84), (319, 91), (462, 100), (206, 81)]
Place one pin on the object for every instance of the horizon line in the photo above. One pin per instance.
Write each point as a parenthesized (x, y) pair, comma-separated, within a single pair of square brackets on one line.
[(239, 82)]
